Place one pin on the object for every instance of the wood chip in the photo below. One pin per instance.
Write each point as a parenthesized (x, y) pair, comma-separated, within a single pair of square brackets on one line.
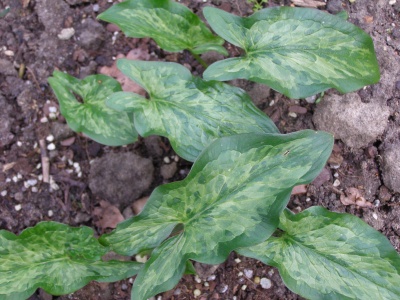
[(308, 3)]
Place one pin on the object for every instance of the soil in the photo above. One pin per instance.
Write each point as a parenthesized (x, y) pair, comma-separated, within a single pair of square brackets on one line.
[(31, 128)]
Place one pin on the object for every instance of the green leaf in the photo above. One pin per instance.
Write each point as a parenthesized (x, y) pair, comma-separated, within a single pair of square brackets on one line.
[(92, 116), (327, 255), (296, 51), (189, 111), (57, 258), (172, 25), (232, 198)]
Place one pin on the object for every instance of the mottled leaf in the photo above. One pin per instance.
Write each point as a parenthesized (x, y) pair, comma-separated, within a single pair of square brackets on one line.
[(172, 25), (327, 255), (296, 51), (232, 198), (189, 111), (91, 116), (57, 258)]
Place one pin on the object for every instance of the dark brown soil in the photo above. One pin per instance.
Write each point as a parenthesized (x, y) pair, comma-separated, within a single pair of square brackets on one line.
[(30, 50)]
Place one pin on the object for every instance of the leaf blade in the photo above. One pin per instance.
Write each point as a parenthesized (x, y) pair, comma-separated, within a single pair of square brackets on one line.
[(296, 51), (58, 258), (92, 117), (245, 177), (332, 256), (185, 109), (172, 25)]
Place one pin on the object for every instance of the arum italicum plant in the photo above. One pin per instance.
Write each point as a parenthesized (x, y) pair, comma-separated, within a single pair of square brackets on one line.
[(235, 195)]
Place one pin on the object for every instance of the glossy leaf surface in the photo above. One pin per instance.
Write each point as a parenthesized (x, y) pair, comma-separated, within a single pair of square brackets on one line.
[(189, 111), (326, 255), (58, 258), (232, 197), (92, 116), (172, 25), (296, 51)]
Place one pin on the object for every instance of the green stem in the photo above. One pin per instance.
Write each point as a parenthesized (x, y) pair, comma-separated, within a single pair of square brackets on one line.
[(199, 59)]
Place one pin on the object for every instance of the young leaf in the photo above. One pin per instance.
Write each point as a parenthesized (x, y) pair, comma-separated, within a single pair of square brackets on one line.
[(93, 117), (247, 178), (296, 51), (172, 25), (57, 258), (326, 255), (189, 111)]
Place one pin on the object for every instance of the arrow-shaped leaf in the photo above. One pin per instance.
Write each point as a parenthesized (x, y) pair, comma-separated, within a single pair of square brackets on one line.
[(172, 25), (231, 198), (189, 111), (92, 116), (296, 51), (58, 258), (327, 255)]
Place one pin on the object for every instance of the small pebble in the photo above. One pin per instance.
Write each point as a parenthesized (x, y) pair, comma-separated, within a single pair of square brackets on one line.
[(18, 207), (51, 147), (96, 7), (392, 2), (292, 115), (336, 175), (8, 180), (375, 216), (206, 284), (244, 287), (196, 292), (256, 280), (44, 120), (124, 287), (177, 292), (3, 193), (271, 272), (50, 213), (167, 160), (248, 273), (34, 189), (377, 202), (19, 144), (15, 179), (237, 260), (130, 280), (141, 259), (19, 196), (50, 138), (308, 199), (32, 182), (197, 279), (9, 53), (38, 166), (66, 34), (211, 278), (265, 283), (272, 103), (222, 288), (336, 183), (240, 274), (19, 176)]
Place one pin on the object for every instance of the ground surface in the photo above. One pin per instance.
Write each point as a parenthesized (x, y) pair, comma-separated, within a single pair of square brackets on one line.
[(365, 160)]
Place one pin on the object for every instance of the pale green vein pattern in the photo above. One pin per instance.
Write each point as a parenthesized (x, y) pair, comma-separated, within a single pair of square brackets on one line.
[(326, 255), (93, 117), (172, 25), (189, 111), (58, 258), (231, 198), (296, 51)]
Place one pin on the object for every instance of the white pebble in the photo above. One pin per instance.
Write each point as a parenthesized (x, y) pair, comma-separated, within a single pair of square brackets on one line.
[(308, 199), (51, 147), (375, 216), (292, 114), (44, 120), (130, 280), (19, 176), (32, 182), (38, 166), (52, 116), (197, 279), (9, 53), (248, 273), (392, 2), (40, 177), (167, 160), (8, 180), (206, 284), (141, 259), (237, 260), (336, 175), (336, 183), (211, 278), (79, 174), (18, 207), (34, 189), (15, 179), (3, 193), (50, 138), (176, 158), (272, 103), (159, 298), (96, 8), (50, 213), (66, 33), (265, 283), (196, 292), (52, 109), (244, 287), (240, 274), (19, 144)]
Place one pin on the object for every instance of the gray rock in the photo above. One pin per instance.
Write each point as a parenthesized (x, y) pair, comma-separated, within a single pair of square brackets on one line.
[(52, 14), (120, 178), (61, 131), (6, 121), (354, 122), (92, 35), (334, 6), (391, 167), (168, 171), (7, 68)]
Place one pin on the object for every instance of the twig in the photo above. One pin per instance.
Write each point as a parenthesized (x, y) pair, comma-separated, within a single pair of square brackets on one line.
[(45, 161)]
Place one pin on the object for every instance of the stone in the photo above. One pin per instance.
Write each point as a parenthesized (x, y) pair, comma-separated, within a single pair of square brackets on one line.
[(91, 36), (356, 123), (7, 68), (391, 167), (6, 121), (52, 14), (168, 171), (61, 131), (120, 178), (334, 6)]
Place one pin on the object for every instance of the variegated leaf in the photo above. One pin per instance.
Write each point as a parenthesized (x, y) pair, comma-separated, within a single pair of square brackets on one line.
[(327, 255), (186, 109), (172, 25), (57, 258), (92, 116), (296, 51), (232, 198)]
